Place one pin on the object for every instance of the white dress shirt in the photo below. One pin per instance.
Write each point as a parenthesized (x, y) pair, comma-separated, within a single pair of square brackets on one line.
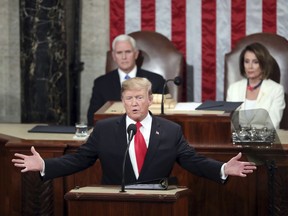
[(131, 74), (145, 130)]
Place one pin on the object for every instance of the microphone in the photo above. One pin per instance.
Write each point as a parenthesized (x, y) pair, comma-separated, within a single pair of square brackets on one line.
[(131, 130), (177, 81)]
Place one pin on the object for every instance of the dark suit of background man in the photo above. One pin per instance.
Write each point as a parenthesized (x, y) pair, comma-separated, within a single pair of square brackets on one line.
[(163, 140), (107, 87)]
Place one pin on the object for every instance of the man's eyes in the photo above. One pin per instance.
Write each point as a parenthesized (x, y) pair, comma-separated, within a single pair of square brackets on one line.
[(126, 52), (137, 98)]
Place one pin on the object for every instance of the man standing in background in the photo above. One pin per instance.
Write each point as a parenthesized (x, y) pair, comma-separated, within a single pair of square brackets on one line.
[(108, 86)]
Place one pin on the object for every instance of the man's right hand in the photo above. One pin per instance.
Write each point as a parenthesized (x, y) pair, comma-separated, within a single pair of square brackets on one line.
[(32, 162)]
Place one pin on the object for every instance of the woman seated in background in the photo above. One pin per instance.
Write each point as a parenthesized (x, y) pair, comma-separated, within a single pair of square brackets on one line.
[(256, 90)]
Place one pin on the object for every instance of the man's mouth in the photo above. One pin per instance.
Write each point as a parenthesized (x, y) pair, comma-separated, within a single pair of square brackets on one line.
[(135, 110)]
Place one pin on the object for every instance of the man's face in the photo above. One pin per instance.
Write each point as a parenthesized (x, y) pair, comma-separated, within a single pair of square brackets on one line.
[(125, 56), (136, 103)]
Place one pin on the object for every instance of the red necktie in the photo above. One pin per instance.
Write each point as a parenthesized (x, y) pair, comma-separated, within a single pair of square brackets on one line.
[(140, 147)]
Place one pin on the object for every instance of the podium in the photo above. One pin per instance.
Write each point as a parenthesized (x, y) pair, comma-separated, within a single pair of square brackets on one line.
[(108, 200)]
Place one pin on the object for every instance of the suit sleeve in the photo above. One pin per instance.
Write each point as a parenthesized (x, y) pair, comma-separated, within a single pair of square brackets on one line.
[(96, 102), (158, 85), (68, 164), (277, 106), (197, 164)]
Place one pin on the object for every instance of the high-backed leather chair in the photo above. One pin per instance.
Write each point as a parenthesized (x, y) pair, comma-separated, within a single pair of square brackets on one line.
[(159, 55), (278, 48)]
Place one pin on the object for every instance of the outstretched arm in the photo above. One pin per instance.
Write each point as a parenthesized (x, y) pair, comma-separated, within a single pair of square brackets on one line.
[(32, 162), (235, 167)]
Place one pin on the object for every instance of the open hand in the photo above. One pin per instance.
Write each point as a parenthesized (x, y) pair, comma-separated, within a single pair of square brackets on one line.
[(234, 167), (32, 162)]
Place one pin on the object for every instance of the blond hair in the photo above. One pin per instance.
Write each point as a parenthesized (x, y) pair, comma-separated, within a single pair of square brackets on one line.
[(137, 83)]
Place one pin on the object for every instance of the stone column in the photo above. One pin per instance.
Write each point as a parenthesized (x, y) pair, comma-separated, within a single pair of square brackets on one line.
[(50, 63)]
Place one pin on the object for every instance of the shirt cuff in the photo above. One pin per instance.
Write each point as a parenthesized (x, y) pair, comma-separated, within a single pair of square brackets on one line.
[(222, 173), (42, 172)]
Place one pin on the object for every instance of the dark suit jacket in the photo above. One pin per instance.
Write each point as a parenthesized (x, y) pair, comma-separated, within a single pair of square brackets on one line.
[(107, 88), (108, 143)]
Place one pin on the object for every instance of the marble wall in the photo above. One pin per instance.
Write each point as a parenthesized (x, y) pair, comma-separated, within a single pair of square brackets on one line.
[(94, 44)]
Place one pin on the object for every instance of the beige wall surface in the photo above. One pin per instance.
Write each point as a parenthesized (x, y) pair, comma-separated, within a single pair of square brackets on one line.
[(10, 99), (94, 44)]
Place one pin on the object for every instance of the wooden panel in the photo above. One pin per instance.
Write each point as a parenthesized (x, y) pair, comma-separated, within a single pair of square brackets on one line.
[(126, 204), (265, 192), (28, 194)]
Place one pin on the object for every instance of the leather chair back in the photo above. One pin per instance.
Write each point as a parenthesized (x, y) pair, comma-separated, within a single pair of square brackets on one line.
[(278, 48), (158, 55)]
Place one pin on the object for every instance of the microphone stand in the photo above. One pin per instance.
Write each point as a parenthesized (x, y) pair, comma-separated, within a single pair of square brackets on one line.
[(131, 132), (177, 81), (163, 93), (123, 168)]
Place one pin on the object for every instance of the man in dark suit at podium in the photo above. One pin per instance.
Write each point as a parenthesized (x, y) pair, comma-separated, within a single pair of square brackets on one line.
[(107, 87), (164, 144)]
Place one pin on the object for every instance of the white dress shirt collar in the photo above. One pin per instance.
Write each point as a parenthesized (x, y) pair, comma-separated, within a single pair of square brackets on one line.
[(146, 122), (131, 74)]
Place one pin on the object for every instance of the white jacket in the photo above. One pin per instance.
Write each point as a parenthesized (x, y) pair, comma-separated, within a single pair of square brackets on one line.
[(270, 98)]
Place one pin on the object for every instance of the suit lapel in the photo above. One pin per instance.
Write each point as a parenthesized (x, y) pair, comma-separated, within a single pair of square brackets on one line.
[(122, 139), (121, 133), (242, 93), (263, 89), (116, 82), (244, 87)]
